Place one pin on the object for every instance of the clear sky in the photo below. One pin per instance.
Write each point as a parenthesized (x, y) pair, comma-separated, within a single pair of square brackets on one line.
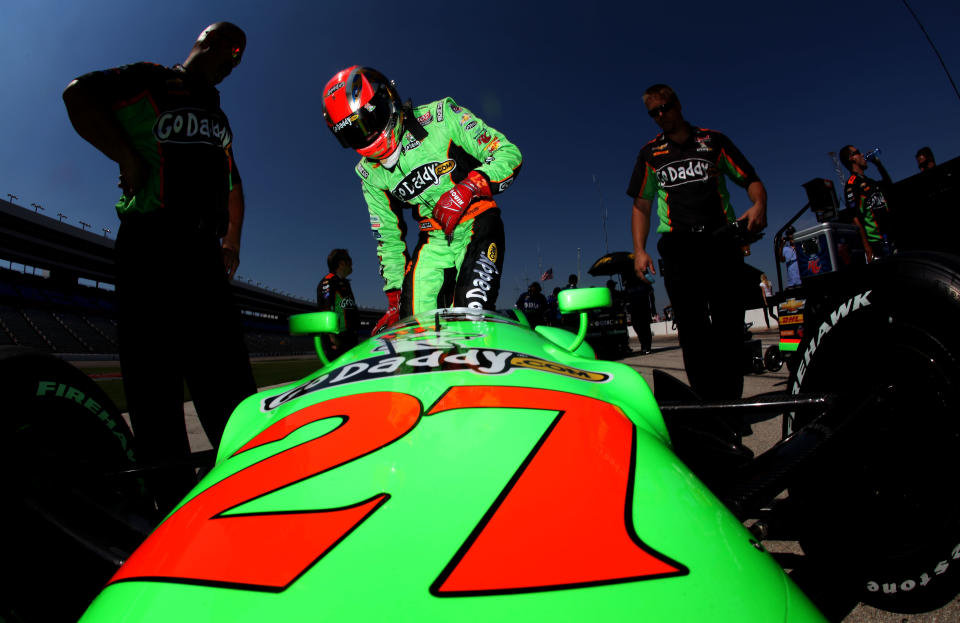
[(788, 82)]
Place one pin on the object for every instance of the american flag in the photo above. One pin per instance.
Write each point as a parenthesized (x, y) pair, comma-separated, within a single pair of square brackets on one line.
[(547, 274)]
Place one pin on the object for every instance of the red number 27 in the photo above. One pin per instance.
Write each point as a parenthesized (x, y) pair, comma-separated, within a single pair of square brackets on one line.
[(563, 520)]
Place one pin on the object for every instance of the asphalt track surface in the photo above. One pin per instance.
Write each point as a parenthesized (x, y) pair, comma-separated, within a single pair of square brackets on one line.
[(667, 357)]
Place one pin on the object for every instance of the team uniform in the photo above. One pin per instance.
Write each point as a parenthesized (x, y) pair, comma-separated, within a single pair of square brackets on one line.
[(335, 294), (465, 272), (176, 315), (700, 271), (534, 307), (866, 197)]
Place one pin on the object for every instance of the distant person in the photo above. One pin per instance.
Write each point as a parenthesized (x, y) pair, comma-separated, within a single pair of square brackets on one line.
[(334, 294), (178, 245), (445, 163), (787, 254), (683, 170), (925, 160), (641, 303), (553, 316), (766, 291), (572, 281), (866, 197), (533, 304)]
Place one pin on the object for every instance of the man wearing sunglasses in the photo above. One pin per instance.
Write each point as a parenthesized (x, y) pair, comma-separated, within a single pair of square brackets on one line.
[(682, 170), (866, 197), (178, 244)]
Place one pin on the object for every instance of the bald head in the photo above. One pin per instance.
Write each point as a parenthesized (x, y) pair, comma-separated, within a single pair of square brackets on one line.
[(217, 50)]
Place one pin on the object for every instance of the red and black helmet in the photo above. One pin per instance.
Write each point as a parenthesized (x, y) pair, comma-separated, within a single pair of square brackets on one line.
[(363, 110)]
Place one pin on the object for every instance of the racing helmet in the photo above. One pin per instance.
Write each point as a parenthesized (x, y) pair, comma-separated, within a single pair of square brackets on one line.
[(363, 110)]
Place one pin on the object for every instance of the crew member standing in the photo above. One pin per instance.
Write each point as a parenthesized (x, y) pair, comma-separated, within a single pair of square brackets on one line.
[(178, 244), (681, 171), (866, 197), (335, 294)]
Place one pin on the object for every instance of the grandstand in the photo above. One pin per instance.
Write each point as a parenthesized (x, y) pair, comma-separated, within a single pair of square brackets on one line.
[(54, 311)]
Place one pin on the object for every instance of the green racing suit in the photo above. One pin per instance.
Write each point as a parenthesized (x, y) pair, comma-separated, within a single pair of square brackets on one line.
[(448, 143)]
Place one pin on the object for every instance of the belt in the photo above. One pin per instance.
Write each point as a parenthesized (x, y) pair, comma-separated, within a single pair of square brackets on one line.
[(474, 210)]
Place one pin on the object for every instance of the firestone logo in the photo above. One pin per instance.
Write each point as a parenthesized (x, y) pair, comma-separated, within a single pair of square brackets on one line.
[(192, 125)]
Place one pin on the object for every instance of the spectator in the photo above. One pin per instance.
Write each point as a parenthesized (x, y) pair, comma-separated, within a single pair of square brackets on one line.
[(572, 281), (334, 294), (445, 163), (181, 215), (766, 291), (925, 160), (787, 254), (681, 171), (553, 316), (533, 304), (867, 199)]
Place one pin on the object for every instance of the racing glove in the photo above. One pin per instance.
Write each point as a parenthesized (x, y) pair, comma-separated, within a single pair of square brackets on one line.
[(453, 203), (393, 312)]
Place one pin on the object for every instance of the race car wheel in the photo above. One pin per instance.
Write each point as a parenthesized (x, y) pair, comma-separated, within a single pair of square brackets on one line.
[(772, 359), (60, 436), (879, 506)]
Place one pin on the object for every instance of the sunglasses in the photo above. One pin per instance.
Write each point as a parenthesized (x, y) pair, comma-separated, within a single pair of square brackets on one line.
[(661, 109), (854, 153), (235, 53)]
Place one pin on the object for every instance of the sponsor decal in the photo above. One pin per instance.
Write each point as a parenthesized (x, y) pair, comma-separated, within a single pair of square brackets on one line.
[(494, 146), (61, 390), (791, 304), (492, 252), (477, 360), (192, 125), (851, 305), (362, 171), (455, 108), (465, 119), (421, 178), (704, 143), (440, 112), (425, 119), (488, 159), (426, 225), (791, 319), (813, 265), (487, 277), (335, 88), (345, 122), (470, 125), (483, 138), (909, 584), (661, 153), (664, 145), (505, 184), (412, 144), (684, 172)]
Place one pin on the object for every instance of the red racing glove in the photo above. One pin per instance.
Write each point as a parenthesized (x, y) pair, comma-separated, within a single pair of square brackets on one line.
[(453, 203), (393, 312)]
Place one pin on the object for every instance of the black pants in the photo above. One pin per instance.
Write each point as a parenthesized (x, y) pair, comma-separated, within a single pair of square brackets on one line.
[(640, 319), (177, 322), (701, 275)]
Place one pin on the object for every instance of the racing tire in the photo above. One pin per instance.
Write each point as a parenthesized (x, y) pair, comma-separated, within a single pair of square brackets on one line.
[(878, 511), (772, 359), (60, 436)]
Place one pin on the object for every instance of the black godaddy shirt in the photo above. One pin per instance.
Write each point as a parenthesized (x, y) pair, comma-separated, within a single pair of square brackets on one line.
[(687, 181), (176, 125)]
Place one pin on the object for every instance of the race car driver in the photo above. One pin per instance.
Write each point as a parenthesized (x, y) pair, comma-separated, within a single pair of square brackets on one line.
[(446, 164)]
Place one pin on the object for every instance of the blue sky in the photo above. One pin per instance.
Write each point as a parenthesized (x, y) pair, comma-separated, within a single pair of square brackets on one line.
[(788, 82)]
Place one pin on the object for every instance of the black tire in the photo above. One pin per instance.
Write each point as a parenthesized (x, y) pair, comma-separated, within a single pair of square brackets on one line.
[(772, 358), (758, 367), (879, 506), (58, 437)]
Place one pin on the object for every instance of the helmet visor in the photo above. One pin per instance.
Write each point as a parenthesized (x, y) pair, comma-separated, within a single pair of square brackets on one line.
[(364, 126)]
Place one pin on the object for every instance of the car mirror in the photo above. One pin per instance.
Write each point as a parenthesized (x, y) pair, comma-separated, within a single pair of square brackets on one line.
[(580, 300), (315, 323)]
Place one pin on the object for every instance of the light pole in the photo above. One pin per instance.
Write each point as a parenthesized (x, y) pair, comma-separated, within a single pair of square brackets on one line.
[(105, 232), (36, 207), (62, 216), (83, 226), (12, 197)]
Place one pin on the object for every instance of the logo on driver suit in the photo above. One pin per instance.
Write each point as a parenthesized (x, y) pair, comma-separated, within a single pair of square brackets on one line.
[(421, 178)]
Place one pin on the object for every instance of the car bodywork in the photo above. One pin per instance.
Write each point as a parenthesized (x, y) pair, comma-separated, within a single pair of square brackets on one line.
[(458, 466)]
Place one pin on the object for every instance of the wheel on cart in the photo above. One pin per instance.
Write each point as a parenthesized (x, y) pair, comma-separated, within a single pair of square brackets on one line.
[(880, 506), (772, 358), (64, 517)]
